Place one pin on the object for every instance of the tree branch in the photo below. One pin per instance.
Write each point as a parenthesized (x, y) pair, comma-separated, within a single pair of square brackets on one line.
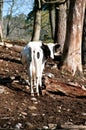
[(54, 1)]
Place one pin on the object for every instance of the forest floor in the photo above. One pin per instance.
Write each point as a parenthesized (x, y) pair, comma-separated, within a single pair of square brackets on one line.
[(50, 111)]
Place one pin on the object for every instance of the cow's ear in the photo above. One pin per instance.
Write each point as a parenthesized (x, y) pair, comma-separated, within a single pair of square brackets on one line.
[(46, 50)]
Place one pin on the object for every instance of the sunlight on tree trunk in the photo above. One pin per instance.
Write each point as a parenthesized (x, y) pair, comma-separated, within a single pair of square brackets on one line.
[(61, 24), (37, 21), (73, 61)]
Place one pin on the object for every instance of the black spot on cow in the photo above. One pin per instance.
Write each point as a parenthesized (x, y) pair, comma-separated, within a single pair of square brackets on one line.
[(46, 50), (38, 55), (29, 54)]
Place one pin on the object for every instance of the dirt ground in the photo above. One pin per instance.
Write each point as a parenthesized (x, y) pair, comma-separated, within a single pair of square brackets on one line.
[(52, 111)]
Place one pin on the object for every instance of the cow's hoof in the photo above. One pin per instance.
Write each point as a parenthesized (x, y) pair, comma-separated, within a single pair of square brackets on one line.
[(32, 94)]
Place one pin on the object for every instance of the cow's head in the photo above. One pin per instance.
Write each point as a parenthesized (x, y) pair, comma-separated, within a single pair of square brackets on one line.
[(53, 48)]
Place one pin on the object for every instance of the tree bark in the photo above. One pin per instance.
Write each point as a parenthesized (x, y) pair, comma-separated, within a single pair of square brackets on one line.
[(1, 33), (72, 48), (61, 21), (84, 42), (37, 21), (52, 19)]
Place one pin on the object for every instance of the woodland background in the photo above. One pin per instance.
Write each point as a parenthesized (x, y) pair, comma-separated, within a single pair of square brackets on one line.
[(62, 101), (58, 21)]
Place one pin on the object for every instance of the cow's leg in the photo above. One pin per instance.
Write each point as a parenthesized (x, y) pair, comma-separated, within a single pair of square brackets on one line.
[(31, 87), (31, 80), (40, 76), (34, 82), (37, 86)]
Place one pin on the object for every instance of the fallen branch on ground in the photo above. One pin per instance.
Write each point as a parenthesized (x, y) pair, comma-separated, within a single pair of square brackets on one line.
[(54, 86), (12, 46)]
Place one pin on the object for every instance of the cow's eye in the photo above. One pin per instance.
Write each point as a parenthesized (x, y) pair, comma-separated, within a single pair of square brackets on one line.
[(38, 55)]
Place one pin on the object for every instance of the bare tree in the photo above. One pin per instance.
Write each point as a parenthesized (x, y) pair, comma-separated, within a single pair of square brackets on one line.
[(37, 21), (9, 18), (72, 48), (53, 1)]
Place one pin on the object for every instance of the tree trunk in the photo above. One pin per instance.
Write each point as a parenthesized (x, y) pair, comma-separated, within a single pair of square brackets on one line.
[(84, 42), (9, 19), (37, 21), (1, 6), (52, 19), (61, 21), (72, 47)]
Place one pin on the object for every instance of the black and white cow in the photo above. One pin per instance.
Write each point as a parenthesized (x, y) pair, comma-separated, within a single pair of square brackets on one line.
[(35, 54)]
